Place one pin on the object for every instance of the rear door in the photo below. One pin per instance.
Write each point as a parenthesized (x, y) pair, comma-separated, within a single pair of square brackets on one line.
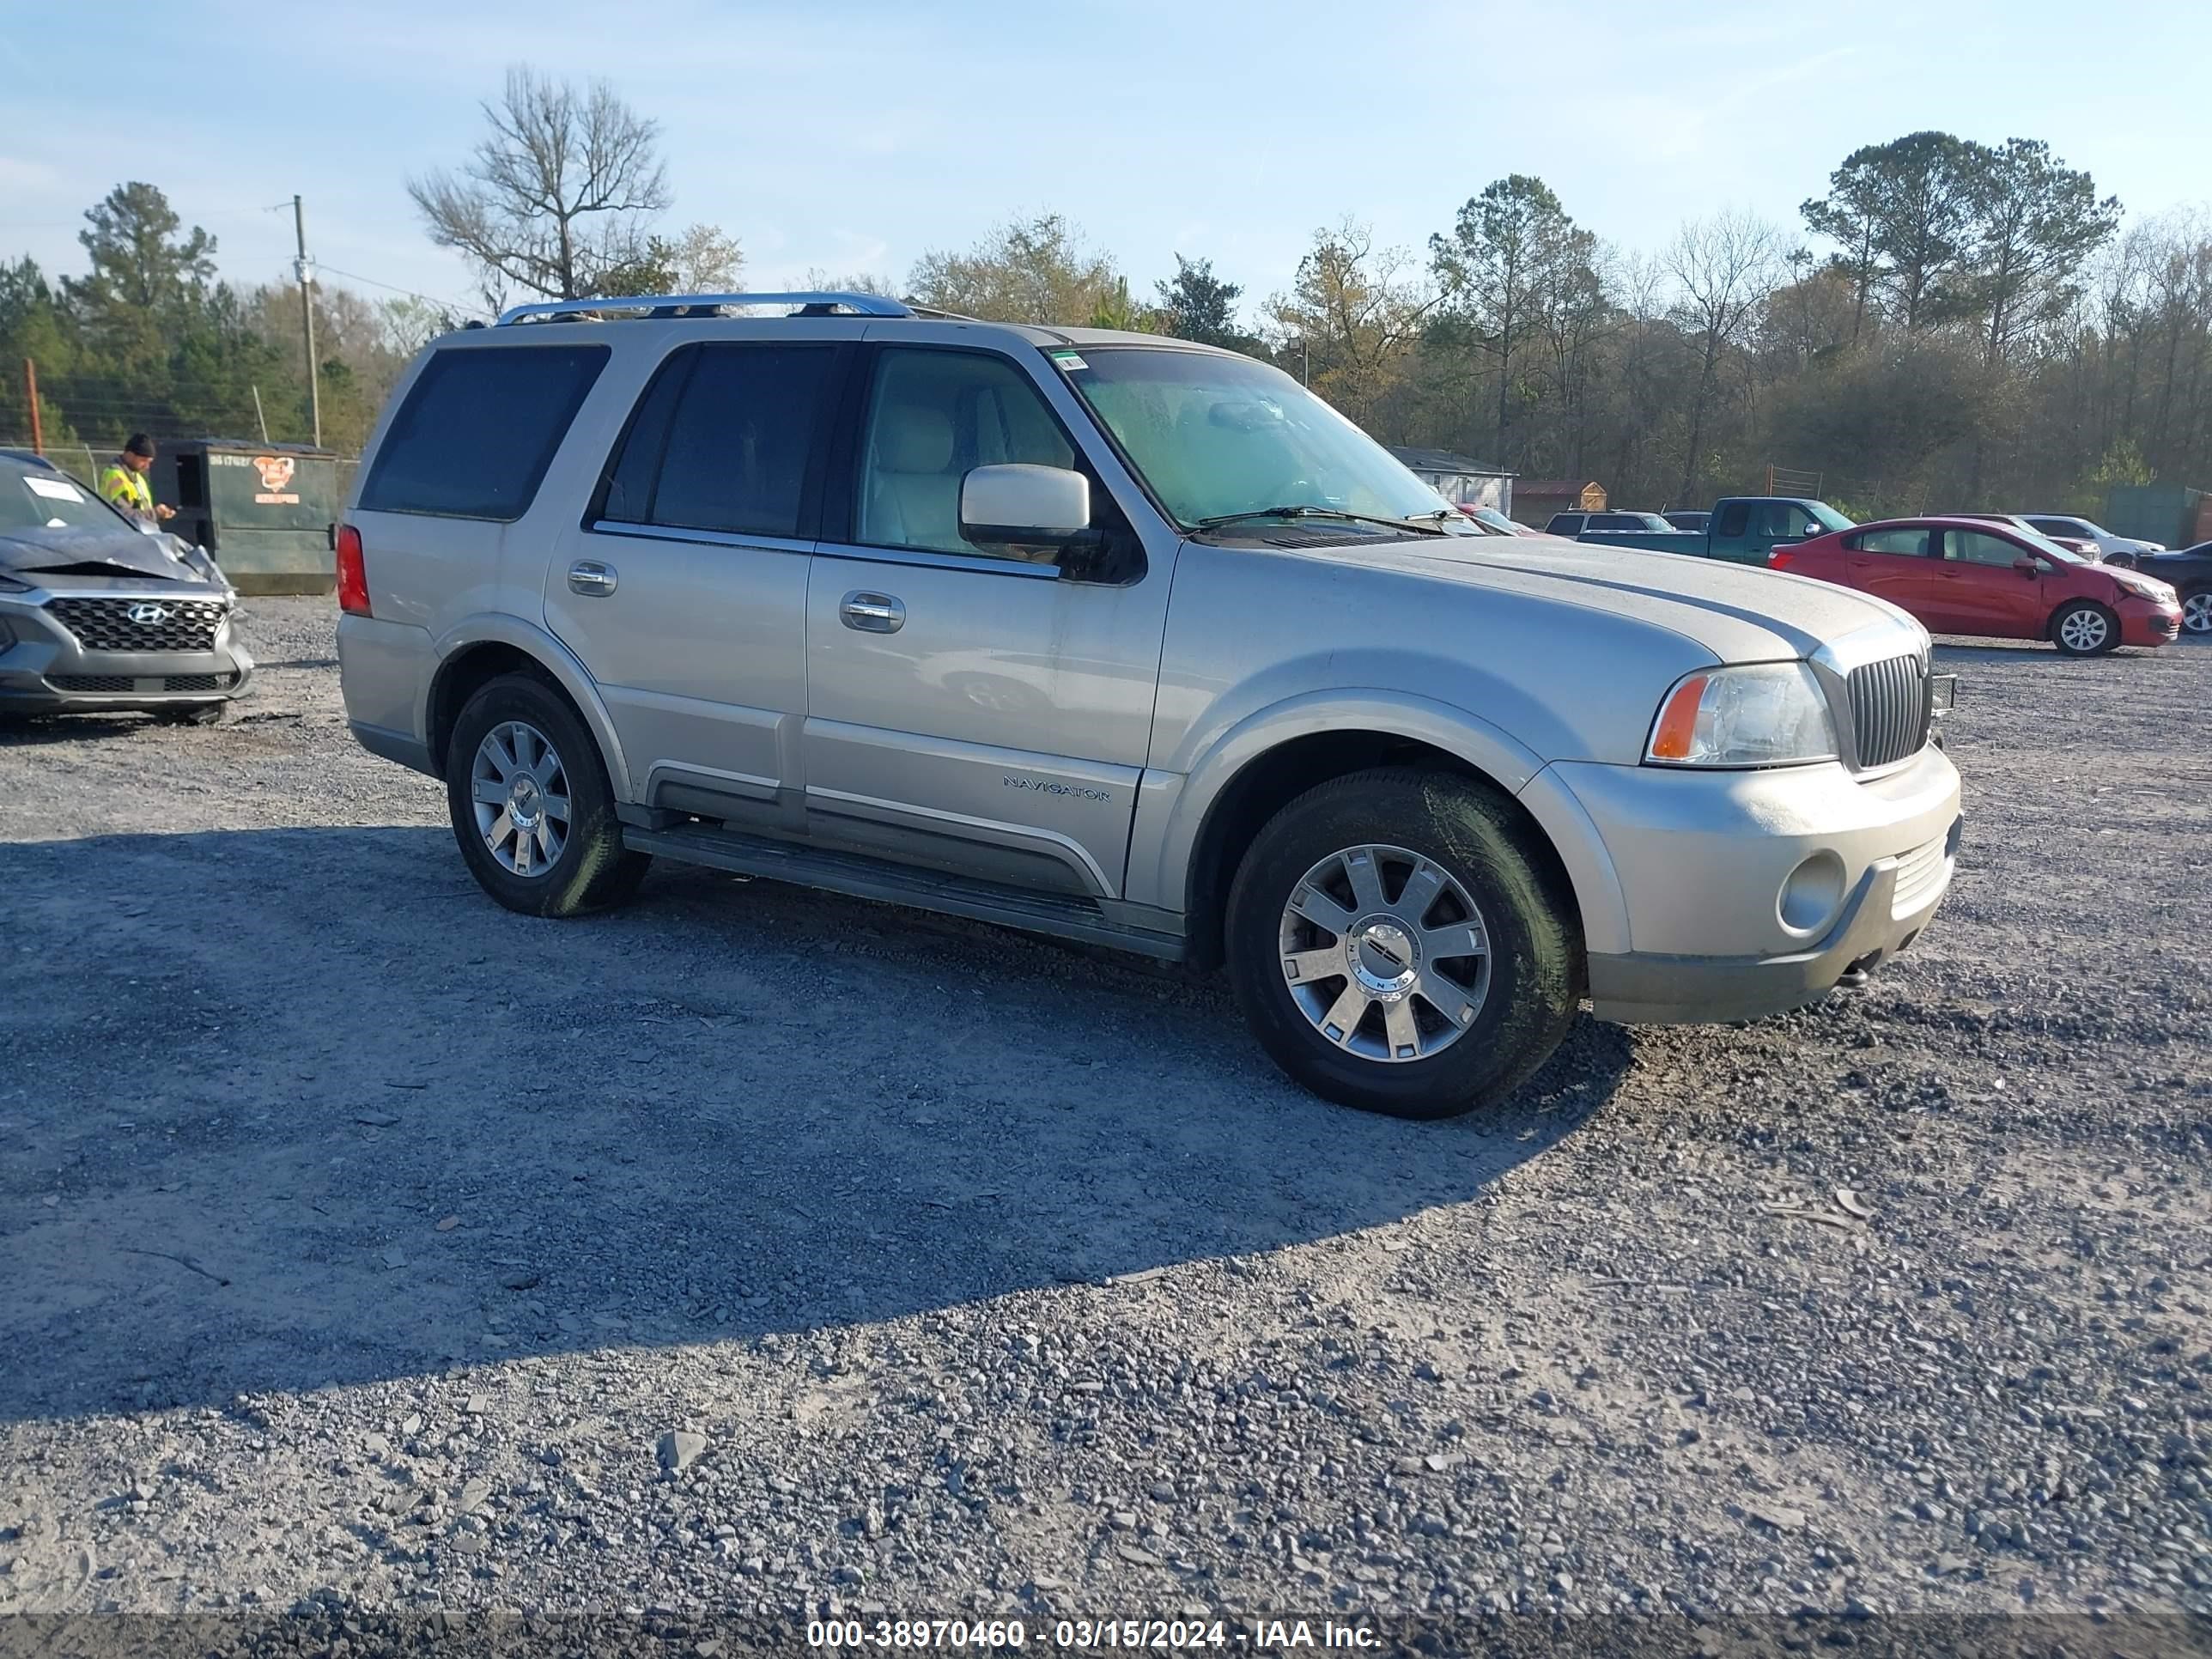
[(685, 591), (1980, 590), (969, 712), (1898, 565)]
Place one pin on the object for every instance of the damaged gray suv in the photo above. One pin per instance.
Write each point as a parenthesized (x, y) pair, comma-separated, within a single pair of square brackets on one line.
[(99, 617), (1127, 640)]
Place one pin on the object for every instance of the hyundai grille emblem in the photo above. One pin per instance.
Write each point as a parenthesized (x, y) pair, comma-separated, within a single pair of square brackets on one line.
[(149, 616)]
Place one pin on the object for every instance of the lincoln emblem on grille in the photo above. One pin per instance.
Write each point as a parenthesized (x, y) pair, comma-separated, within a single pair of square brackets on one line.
[(149, 616)]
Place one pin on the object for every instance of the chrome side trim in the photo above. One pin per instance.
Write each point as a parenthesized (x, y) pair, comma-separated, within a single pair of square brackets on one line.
[(935, 561), (657, 532)]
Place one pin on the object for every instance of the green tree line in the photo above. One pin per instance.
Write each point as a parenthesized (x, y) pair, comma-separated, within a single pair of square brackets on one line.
[(149, 339), (1948, 324)]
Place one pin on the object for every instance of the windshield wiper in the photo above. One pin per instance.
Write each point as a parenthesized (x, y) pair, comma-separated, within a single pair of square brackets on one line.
[(1306, 510)]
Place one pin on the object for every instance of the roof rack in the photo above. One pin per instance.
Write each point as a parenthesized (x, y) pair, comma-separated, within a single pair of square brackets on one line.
[(677, 305)]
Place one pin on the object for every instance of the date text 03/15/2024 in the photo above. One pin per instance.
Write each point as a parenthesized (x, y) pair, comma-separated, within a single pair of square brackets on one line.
[(1259, 1636)]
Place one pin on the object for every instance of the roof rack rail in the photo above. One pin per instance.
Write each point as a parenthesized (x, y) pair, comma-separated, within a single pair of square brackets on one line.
[(671, 305)]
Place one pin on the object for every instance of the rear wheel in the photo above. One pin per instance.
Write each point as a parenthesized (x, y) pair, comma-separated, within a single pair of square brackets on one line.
[(531, 804), (1398, 946), (2085, 628), (2197, 610)]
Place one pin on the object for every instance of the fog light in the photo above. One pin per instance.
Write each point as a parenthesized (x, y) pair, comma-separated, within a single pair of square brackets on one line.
[(1813, 894)]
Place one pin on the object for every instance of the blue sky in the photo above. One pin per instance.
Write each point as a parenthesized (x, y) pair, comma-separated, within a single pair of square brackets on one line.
[(854, 136)]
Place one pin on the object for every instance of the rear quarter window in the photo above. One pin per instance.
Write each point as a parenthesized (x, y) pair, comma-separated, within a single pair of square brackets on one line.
[(478, 429)]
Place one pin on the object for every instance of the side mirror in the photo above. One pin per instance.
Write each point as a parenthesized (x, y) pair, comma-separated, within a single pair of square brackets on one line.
[(2026, 565), (1043, 510)]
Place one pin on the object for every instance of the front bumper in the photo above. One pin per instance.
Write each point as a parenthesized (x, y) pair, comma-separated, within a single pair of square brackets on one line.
[(44, 668), (1719, 881), (2148, 623)]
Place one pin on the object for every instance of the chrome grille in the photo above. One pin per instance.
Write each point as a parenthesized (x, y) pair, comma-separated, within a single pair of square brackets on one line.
[(105, 625), (1890, 708)]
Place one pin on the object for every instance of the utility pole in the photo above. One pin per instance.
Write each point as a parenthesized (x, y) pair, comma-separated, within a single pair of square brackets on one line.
[(31, 395), (305, 271)]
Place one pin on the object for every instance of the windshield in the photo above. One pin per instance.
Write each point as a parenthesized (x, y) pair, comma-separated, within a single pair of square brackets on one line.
[(1826, 517), (1215, 435), (32, 498)]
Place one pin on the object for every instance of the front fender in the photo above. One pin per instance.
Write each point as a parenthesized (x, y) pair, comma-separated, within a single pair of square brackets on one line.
[(490, 628), (1172, 809)]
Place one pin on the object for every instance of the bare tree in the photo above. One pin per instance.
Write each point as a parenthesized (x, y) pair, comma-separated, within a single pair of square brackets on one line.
[(558, 193), (1724, 268)]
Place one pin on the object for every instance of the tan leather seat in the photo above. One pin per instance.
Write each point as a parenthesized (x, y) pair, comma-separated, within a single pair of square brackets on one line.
[(913, 498)]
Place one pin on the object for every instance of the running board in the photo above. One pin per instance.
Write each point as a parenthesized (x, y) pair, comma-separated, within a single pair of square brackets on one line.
[(859, 877)]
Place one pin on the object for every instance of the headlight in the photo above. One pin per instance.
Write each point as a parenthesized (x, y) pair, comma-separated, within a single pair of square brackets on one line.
[(1769, 714)]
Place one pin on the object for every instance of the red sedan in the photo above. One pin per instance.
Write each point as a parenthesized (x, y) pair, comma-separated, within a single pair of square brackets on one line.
[(1969, 576)]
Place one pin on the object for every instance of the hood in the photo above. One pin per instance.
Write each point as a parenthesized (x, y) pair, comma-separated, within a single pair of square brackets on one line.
[(48, 557), (1740, 613)]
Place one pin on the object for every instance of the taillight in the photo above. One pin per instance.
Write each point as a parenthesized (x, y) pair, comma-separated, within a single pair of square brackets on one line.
[(353, 574), (1780, 559)]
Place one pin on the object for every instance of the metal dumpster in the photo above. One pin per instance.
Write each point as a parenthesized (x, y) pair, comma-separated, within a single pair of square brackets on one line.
[(264, 511)]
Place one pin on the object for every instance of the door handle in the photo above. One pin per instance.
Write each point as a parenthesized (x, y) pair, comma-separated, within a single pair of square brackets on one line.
[(591, 579), (872, 613)]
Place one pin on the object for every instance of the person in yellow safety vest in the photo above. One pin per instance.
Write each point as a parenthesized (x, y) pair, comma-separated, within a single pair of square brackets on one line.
[(122, 482)]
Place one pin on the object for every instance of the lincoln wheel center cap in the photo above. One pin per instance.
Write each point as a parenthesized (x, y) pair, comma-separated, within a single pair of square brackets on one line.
[(522, 801), (1383, 957)]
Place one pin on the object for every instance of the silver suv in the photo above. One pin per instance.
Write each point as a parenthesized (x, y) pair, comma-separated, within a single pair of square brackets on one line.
[(1127, 640)]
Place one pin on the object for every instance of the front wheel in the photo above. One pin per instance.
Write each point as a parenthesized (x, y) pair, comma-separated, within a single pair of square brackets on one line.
[(1398, 944), (2085, 628), (531, 804), (2197, 610)]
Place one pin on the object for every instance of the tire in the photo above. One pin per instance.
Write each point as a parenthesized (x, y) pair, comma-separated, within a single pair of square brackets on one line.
[(2085, 628), (543, 865), (2197, 610), (1467, 845)]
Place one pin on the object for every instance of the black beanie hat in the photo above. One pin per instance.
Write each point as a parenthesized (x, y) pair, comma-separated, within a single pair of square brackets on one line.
[(140, 444)]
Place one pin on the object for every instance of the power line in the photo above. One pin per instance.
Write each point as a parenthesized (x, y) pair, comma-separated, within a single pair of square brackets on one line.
[(450, 304)]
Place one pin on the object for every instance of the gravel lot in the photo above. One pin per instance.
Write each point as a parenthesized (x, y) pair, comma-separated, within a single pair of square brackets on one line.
[(759, 1250)]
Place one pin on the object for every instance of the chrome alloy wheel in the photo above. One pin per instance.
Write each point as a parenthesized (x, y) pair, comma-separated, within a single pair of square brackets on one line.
[(521, 797), (1385, 954), (2085, 630), (2197, 612)]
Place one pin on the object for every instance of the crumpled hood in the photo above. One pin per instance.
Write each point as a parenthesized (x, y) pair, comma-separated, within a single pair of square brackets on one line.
[(66, 554), (1741, 613)]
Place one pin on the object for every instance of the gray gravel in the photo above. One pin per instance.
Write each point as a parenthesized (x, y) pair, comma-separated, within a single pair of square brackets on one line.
[(759, 1250)]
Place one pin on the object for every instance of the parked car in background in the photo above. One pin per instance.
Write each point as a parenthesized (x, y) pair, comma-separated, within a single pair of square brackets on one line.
[(2064, 528), (987, 619), (98, 616), (2080, 545), (1967, 575), (1584, 523), (1739, 529), (1491, 519), (2186, 570), (1689, 520)]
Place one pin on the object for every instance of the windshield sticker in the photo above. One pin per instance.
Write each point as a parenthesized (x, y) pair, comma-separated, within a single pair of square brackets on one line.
[(54, 489), (1069, 361)]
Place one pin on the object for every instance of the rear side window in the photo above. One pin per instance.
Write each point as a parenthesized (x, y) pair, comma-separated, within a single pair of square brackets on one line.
[(1734, 518), (1912, 544), (478, 429), (1563, 524), (721, 440)]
